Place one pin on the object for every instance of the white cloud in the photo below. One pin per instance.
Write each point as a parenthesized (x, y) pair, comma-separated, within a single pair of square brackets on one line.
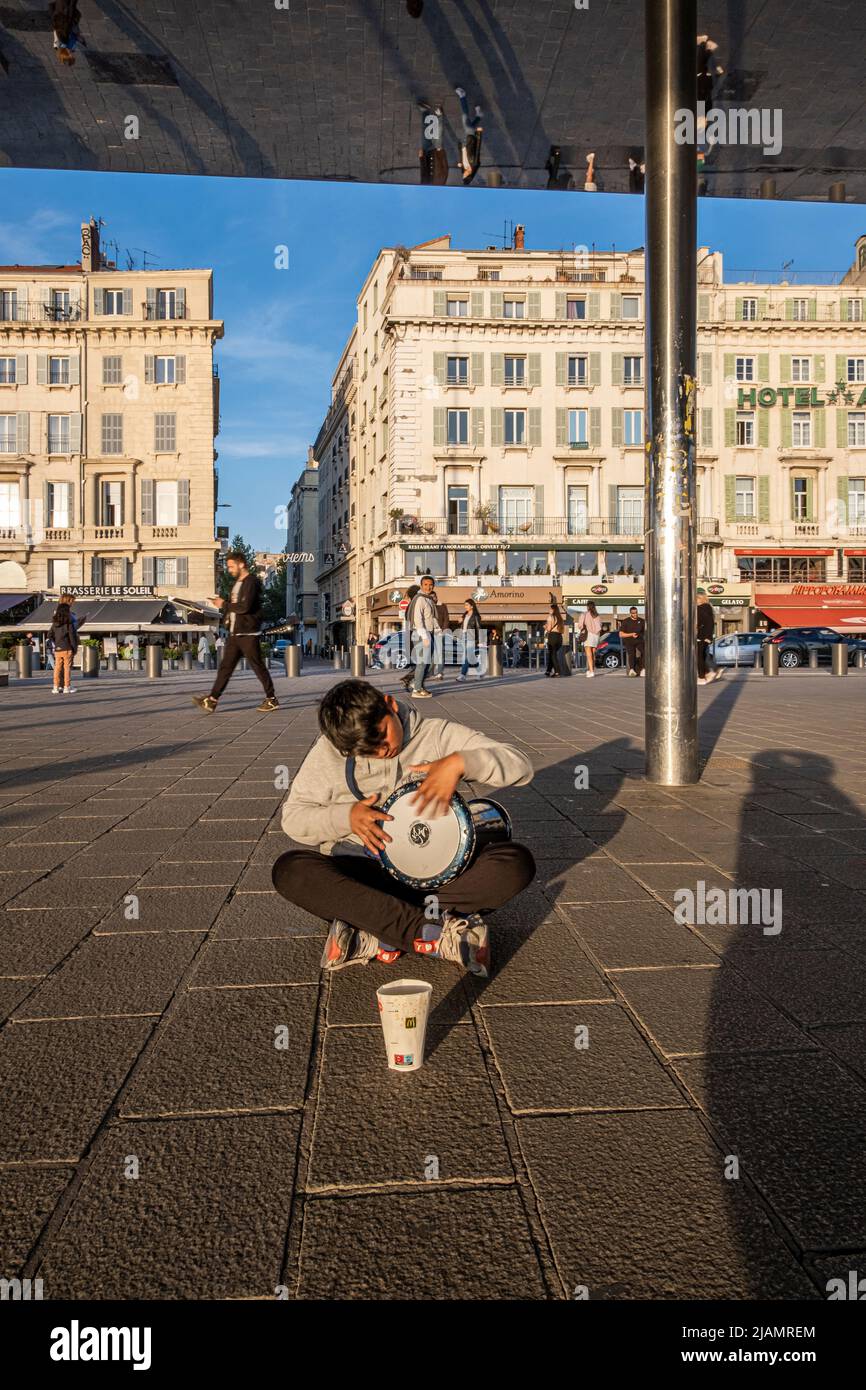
[(27, 241)]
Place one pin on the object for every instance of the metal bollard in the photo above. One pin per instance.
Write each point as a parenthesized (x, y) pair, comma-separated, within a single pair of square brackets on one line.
[(840, 659), (494, 659), (860, 659), (111, 662), (771, 660), (24, 659), (759, 660), (292, 658), (337, 662), (153, 659), (187, 661), (135, 663), (90, 661), (813, 658), (359, 660)]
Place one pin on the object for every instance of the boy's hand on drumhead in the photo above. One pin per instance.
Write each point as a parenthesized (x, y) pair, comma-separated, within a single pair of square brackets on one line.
[(365, 818), (440, 783)]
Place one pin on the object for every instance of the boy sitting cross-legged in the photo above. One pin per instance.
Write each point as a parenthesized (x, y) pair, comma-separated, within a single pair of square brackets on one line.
[(371, 913)]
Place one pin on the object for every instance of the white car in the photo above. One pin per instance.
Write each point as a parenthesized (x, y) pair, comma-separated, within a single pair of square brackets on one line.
[(736, 648)]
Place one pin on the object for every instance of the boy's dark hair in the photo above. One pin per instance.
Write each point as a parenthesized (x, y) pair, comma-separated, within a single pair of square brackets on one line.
[(350, 716), (239, 556)]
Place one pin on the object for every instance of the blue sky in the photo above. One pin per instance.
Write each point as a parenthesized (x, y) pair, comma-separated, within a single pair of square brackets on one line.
[(285, 329)]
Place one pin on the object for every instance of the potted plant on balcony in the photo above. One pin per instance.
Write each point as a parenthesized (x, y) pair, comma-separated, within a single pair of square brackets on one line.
[(485, 515), (396, 515)]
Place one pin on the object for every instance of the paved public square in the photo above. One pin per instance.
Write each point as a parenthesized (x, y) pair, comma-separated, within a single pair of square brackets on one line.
[(193, 1112)]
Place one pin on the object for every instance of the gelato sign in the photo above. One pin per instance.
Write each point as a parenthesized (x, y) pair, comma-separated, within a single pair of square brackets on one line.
[(801, 397)]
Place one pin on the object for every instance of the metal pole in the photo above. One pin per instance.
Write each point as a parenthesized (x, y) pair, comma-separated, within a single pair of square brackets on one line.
[(671, 211)]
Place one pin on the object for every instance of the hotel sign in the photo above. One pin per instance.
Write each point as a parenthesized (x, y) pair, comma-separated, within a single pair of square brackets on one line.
[(801, 397)]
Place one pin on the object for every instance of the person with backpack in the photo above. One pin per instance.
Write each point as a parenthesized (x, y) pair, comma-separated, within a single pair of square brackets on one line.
[(471, 638), (554, 627), (64, 636)]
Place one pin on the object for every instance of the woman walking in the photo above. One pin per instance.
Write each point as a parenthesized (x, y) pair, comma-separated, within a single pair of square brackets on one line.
[(554, 627), (65, 638), (471, 638), (590, 632)]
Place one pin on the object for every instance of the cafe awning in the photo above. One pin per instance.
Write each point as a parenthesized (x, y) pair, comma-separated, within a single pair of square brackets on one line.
[(121, 616), (844, 612)]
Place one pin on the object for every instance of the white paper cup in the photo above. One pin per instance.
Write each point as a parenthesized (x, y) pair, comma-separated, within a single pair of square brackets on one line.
[(403, 1009)]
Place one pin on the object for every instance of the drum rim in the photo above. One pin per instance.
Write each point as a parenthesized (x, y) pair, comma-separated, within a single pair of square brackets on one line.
[(464, 852)]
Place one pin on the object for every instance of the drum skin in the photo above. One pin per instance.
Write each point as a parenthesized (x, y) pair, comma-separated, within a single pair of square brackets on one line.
[(426, 851)]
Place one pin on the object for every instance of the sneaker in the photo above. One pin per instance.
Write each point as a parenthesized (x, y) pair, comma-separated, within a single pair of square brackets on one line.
[(56, 690), (461, 91), (437, 678), (632, 673), (70, 690), (590, 675), (267, 705), (643, 672), (421, 695), (703, 680), (463, 941), (461, 678), (205, 702), (387, 955), (347, 945)]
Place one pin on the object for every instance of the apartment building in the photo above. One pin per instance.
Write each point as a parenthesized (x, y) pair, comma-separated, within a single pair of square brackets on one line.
[(336, 454), (109, 405), (498, 436), (302, 544)]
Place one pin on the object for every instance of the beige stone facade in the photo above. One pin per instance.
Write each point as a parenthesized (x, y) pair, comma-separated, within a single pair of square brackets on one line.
[(498, 432), (109, 405)]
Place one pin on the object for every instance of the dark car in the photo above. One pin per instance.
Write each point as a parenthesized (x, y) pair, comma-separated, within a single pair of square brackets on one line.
[(795, 644), (609, 653)]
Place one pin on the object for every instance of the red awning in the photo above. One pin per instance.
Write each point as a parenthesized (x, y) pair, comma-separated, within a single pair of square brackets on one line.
[(855, 552), (798, 610), (781, 551)]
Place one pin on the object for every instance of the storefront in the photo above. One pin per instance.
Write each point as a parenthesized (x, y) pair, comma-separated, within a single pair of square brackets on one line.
[(501, 608), (122, 612), (839, 606)]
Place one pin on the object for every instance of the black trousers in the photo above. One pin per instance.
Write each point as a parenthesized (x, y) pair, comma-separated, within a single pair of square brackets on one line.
[(235, 648), (354, 888), (633, 654), (554, 642)]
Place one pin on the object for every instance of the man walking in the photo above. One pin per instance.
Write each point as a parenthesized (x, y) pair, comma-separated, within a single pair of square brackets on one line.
[(423, 625), (244, 614), (633, 634), (705, 631)]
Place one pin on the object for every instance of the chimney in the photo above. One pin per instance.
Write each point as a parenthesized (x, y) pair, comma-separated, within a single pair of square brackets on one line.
[(90, 257), (519, 236)]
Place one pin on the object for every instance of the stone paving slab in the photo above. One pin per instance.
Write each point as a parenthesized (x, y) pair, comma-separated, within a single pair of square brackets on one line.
[(165, 1234), (464, 1245), (624, 935), (27, 1198), (258, 962), (228, 1050), (33, 942), (109, 976)]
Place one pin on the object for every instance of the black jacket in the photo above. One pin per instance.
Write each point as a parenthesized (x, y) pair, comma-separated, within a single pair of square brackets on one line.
[(706, 622), (247, 609), (63, 633)]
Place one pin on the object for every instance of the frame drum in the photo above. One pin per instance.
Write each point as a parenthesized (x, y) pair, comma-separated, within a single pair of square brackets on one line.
[(427, 851)]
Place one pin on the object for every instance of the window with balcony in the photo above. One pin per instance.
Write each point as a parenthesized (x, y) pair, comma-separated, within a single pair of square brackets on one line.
[(8, 306), (166, 499), (112, 370), (744, 499), (856, 368), (578, 429), (577, 371), (632, 427), (9, 435), (800, 499), (515, 507), (59, 499), (515, 371), (799, 310), (857, 501), (166, 304), (855, 311), (632, 371), (749, 310), (575, 308), (576, 562), (477, 562), (457, 308), (577, 502), (457, 427), (111, 504), (801, 369), (58, 305), (856, 429), (458, 510), (629, 511), (10, 503), (515, 426), (745, 429), (745, 368), (801, 429), (165, 433), (112, 434), (8, 371), (458, 371), (58, 434)]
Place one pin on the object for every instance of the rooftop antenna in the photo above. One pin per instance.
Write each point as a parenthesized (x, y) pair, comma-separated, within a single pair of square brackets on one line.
[(502, 236), (144, 256)]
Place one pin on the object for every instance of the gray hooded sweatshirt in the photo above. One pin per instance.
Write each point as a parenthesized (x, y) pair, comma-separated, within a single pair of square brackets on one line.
[(317, 809)]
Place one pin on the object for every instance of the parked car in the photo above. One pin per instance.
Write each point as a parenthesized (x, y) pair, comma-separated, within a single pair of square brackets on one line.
[(795, 643), (609, 653), (736, 648), (395, 650)]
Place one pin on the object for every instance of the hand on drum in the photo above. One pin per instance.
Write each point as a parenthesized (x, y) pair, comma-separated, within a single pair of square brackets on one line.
[(440, 782), (364, 820)]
